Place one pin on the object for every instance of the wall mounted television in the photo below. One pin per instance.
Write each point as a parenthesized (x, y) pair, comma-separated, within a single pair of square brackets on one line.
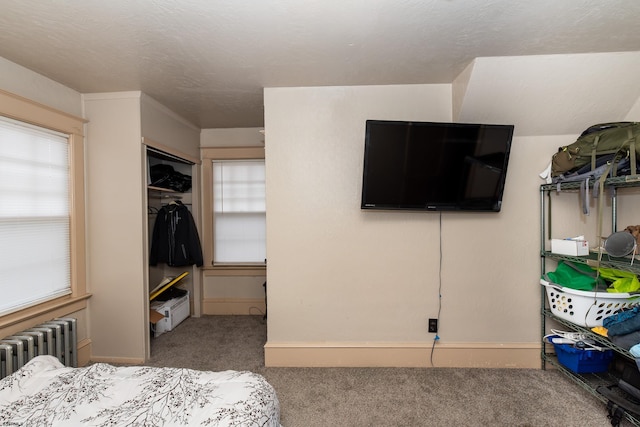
[(429, 166)]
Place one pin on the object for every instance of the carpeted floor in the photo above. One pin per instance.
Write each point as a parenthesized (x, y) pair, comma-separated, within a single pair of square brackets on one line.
[(354, 397)]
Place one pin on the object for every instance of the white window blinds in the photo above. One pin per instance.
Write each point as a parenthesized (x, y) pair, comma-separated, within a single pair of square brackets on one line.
[(239, 211), (35, 252)]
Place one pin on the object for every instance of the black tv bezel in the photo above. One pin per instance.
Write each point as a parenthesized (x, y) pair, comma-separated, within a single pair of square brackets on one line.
[(495, 206)]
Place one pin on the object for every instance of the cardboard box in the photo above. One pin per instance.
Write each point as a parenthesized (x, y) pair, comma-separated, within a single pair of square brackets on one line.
[(154, 316), (569, 247)]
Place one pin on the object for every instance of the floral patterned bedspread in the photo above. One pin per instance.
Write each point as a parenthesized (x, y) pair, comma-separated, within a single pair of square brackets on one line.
[(46, 393)]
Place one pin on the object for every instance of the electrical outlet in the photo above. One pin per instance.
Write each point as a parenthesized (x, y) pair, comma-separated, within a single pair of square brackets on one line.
[(433, 325)]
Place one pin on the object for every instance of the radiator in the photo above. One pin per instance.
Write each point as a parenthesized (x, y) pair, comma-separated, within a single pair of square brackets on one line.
[(57, 337)]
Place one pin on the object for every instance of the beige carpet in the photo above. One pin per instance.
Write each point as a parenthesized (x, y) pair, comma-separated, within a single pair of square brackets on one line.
[(354, 397)]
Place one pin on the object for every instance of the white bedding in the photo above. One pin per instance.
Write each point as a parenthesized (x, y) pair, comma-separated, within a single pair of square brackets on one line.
[(46, 393)]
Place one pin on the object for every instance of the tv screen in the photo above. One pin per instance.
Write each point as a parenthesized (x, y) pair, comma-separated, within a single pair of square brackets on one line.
[(435, 166)]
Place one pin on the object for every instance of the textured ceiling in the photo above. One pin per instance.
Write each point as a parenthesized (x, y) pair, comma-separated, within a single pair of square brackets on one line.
[(210, 60)]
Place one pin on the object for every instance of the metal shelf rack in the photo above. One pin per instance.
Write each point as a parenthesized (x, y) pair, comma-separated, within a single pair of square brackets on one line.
[(590, 382)]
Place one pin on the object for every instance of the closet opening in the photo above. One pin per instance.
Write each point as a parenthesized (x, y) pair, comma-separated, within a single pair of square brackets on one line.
[(174, 251)]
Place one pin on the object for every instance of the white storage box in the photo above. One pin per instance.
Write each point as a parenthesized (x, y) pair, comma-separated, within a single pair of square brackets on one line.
[(569, 247), (174, 310), (585, 308)]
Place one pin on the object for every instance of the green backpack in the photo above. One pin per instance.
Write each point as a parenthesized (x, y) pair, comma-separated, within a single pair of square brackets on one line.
[(620, 139)]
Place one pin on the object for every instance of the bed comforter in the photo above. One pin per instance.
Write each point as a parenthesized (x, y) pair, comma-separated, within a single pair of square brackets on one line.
[(46, 393)]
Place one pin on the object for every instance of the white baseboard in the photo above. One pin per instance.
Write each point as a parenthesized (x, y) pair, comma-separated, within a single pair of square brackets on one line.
[(409, 355), (235, 306)]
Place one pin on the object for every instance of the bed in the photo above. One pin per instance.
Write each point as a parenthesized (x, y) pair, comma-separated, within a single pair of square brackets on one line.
[(46, 393)]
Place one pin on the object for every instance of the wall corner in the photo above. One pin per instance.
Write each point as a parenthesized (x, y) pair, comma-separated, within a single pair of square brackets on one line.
[(459, 89)]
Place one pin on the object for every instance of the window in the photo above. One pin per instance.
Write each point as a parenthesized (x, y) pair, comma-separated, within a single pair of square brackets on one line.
[(42, 215), (239, 211), (233, 199), (34, 215)]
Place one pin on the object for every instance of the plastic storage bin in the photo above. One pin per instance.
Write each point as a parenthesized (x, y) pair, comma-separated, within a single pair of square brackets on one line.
[(584, 308), (583, 361)]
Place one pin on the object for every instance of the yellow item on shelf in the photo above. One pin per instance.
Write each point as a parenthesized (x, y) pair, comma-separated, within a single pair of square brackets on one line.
[(166, 284), (600, 330)]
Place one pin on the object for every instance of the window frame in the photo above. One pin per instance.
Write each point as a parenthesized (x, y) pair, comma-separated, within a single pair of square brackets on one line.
[(24, 110), (209, 155)]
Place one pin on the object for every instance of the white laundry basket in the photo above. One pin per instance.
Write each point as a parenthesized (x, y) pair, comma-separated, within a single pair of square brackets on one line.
[(585, 308)]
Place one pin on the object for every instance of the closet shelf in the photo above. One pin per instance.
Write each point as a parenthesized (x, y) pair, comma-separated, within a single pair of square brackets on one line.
[(165, 190)]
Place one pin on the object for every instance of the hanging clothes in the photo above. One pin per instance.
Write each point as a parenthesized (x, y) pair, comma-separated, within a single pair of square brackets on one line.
[(175, 239)]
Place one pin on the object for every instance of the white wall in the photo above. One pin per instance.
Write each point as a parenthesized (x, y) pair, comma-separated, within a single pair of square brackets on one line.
[(21, 81), (344, 278), (337, 273), (232, 137), (634, 112), (115, 225), (164, 126), (28, 84), (551, 94), (233, 294)]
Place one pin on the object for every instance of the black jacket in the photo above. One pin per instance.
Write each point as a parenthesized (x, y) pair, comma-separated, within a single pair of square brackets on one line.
[(175, 239)]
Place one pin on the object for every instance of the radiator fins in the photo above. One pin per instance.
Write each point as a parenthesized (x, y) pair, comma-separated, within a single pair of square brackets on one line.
[(57, 337)]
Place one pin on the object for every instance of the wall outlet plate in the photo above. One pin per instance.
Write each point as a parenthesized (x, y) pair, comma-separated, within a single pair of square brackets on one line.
[(433, 325)]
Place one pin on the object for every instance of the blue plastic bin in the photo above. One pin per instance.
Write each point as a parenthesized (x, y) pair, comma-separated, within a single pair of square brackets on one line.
[(583, 361)]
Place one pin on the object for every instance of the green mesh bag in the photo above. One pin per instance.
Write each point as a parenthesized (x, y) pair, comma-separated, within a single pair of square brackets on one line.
[(576, 276)]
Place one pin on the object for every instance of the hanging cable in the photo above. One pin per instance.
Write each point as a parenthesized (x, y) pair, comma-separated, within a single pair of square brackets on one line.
[(436, 338)]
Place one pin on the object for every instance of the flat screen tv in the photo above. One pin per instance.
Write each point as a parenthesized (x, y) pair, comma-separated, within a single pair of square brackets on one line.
[(428, 166)]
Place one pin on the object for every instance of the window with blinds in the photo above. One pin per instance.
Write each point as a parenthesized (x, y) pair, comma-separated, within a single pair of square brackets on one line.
[(239, 211), (34, 215)]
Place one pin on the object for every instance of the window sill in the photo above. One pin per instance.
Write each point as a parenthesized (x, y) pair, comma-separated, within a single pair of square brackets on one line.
[(235, 270), (50, 309)]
